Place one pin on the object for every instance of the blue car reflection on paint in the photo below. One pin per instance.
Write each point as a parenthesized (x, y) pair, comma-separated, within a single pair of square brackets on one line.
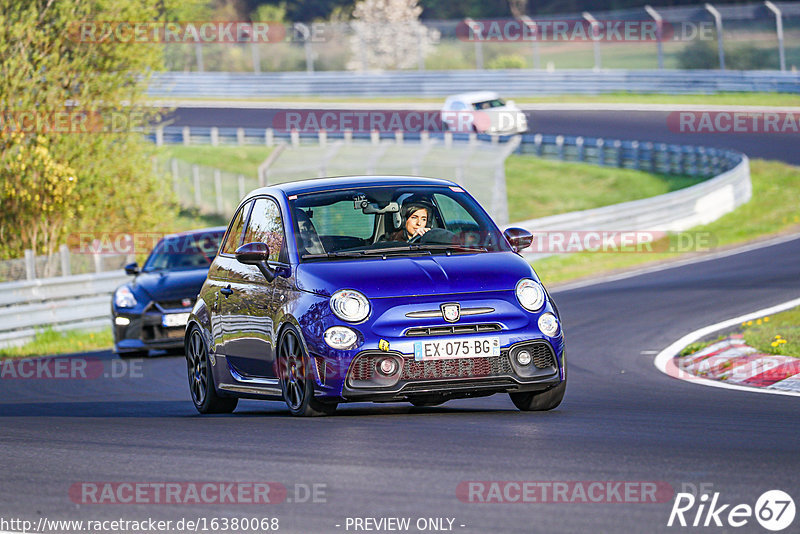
[(371, 288)]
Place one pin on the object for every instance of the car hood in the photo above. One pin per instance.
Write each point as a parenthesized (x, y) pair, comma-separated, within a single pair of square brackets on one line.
[(417, 275), (170, 285)]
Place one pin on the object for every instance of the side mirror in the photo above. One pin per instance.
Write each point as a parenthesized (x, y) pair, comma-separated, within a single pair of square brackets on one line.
[(518, 238), (132, 268), (256, 254)]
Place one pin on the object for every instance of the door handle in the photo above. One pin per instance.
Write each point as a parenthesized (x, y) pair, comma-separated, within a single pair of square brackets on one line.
[(227, 291)]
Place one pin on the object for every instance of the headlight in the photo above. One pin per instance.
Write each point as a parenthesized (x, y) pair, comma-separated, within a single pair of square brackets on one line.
[(124, 298), (340, 337), (530, 294), (350, 305), (548, 324)]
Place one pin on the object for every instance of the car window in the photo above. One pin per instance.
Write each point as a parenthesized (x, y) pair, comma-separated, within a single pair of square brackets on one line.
[(342, 220), (266, 226), (192, 251), (488, 104), (233, 239), (458, 106)]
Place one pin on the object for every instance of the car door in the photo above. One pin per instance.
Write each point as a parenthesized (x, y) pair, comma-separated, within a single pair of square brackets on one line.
[(220, 292), (250, 344)]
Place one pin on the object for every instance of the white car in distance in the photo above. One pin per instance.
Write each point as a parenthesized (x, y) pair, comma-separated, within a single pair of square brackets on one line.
[(483, 112)]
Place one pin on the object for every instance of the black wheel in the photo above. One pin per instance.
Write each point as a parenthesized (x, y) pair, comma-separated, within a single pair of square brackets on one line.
[(201, 380), (539, 401), (296, 377)]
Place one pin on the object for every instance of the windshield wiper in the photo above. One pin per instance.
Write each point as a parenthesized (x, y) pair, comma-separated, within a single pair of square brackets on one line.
[(446, 247)]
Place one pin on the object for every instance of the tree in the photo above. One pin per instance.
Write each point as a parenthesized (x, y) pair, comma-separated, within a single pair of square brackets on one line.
[(62, 179), (389, 35)]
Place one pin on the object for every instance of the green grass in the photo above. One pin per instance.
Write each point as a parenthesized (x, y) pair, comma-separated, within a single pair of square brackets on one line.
[(764, 334), (720, 99), (49, 342), (552, 187), (772, 210), (235, 159)]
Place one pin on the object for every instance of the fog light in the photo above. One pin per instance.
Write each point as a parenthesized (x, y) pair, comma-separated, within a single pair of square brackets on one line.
[(523, 357), (340, 337), (122, 321), (548, 324), (387, 366)]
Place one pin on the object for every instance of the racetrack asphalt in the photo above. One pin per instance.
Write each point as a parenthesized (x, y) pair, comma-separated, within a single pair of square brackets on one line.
[(612, 124), (622, 420)]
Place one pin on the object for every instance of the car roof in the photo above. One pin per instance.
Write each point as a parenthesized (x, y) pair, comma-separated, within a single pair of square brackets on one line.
[(198, 231), (475, 96), (344, 182)]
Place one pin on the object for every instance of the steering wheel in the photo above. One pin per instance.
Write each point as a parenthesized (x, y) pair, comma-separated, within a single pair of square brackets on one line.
[(415, 239)]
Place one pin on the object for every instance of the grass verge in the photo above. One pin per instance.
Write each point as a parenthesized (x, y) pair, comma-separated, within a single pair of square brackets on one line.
[(234, 159), (50, 342), (771, 211), (719, 99), (775, 334)]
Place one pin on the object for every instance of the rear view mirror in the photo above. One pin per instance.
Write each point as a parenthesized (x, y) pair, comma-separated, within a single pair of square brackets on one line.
[(256, 254), (518, 238), (132, 268)]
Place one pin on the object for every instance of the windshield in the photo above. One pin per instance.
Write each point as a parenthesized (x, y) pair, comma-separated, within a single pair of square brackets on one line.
[(178, 253), (488, 104), (382, 221)]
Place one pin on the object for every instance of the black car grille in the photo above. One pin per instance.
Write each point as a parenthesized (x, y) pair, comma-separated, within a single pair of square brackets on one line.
[(363, 366), (452, 329), (173, 304)]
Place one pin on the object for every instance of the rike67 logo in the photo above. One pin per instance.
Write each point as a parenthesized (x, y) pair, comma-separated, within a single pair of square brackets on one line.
[(774, 510)]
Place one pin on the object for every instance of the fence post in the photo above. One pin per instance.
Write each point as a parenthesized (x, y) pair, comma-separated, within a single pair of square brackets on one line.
[(240, 136), (174, 165), (448, 139), (98, 262), (255, 52), (186, 133), (30, 264), (348, 136), (651, 147), (618, 148), (295, 138), (218, 191), (537, 142), (196, 176), (601, 152), (659, 33), (560, 147), (160, 136), (779, 28), (718, 22), (635, 147), (595, 38), (198, 54), (422, 38), (269, 137), (477, 35), (533, 30), (322, 136), (424, 137), (398, 137), (66, 268), (214, 136), (581, 150), (375, 137)]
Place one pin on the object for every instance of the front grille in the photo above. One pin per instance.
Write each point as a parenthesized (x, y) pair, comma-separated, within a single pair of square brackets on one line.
[(541, 354), (452, 329), (173, 304), (456, 368)]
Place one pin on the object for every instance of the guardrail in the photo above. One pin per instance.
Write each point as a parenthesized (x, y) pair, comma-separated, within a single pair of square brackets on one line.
[(83, 301), (441, 83), (62, 303)]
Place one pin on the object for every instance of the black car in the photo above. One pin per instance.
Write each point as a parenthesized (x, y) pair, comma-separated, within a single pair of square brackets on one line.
[(150, 311)]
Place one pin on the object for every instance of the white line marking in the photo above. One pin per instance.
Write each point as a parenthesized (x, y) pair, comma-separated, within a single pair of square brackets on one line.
[(664, 361)]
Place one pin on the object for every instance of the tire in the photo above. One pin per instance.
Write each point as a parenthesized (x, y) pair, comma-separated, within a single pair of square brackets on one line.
[(540, 401), (296, 378), (201, 379), (139, 354)]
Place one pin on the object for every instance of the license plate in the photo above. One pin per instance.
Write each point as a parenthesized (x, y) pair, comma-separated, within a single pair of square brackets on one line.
[(444, 349), (174, 319)]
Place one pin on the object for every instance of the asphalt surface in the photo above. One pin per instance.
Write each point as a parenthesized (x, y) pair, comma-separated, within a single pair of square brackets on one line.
[(638, 125), (622, 420)]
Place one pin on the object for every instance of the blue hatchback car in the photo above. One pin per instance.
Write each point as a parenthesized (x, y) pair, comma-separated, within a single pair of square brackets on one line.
[(372, 288)]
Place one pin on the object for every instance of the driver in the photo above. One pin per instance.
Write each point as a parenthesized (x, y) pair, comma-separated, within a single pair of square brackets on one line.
[(415, 215)]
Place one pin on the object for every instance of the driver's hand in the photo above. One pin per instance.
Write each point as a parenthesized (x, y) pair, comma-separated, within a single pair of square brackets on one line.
[(420, 231)]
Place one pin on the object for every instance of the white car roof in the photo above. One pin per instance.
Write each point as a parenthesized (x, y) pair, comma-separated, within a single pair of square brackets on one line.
[(476, 96)]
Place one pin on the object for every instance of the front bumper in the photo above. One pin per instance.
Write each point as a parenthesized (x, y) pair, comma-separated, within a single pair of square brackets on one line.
[(146, 331)]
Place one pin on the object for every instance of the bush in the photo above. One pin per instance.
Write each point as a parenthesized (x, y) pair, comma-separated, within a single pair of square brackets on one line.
[(704, 55), (509, 61)]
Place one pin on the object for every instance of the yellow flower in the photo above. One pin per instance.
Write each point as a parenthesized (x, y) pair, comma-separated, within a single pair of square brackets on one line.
[(749, 323), (774, 343), (766, 319), (777, 336), (758, 321)]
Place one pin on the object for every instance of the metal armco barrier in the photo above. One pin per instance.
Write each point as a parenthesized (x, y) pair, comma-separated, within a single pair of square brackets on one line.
[(442, 83)]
